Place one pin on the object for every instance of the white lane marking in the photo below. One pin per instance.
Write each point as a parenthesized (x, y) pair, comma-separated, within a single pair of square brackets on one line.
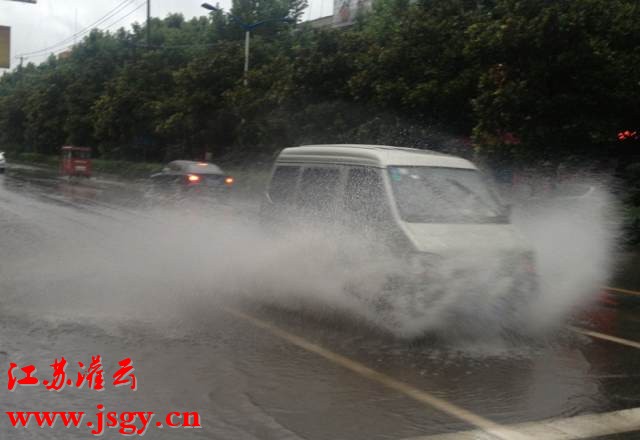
[(494, 430), (619, 290), (572, 428), (605, 337)]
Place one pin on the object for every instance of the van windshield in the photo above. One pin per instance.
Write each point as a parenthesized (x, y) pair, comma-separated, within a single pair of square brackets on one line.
[(444, 195)]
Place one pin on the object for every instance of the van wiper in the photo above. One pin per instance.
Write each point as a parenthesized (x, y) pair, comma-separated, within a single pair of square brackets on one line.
[(478, 198)]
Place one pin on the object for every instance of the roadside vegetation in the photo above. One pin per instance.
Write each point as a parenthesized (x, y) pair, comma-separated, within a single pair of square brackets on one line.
[(514, 82)]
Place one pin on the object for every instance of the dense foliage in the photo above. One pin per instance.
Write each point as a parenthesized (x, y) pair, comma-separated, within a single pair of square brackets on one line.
[(516, 78)]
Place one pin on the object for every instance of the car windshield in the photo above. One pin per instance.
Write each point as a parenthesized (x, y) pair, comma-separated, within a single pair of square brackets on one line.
[(444, 195)]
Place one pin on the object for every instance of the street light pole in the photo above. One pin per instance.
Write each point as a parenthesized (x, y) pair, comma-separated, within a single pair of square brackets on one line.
[(148, 23), (247, 33), (247, 38)]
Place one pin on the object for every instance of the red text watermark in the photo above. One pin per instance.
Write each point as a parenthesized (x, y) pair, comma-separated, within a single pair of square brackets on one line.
[(92, 375), (127, 423)]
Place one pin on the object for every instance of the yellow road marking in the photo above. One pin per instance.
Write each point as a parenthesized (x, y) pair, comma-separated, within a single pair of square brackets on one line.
[(605, 337), (572, 428), (485, 425), (619, 290)]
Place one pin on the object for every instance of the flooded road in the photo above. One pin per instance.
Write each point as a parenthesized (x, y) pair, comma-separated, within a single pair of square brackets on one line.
[(87, 270)]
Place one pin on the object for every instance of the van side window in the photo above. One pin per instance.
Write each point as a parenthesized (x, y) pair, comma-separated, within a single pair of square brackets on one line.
[(283, 184), (317, 188), (364, 196)]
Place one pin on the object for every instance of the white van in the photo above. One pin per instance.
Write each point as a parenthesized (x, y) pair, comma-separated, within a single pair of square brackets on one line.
[(429, 207)]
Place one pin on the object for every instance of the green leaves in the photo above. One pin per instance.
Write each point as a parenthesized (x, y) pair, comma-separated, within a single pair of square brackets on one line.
[(553, 76), (526, 78)]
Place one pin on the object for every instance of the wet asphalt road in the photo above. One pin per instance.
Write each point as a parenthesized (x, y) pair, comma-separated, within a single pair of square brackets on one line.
[(70, 287)]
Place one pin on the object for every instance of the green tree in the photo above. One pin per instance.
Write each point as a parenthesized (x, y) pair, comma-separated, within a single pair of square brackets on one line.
[(559, 78)]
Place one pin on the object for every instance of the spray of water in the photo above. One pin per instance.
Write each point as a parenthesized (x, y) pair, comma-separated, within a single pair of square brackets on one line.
[(575, 240), (157, 263)]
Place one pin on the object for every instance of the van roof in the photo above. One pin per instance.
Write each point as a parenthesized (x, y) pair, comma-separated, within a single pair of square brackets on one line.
[(372, 155)]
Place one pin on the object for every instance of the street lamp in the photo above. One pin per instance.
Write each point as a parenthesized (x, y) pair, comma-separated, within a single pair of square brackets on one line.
[(247, 27)]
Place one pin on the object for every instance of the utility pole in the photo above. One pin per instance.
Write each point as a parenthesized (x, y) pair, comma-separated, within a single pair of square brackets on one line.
[(148, 23)]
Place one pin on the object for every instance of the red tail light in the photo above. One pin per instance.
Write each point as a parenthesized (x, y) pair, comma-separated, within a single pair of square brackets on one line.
[(529, 265), (193, 178)]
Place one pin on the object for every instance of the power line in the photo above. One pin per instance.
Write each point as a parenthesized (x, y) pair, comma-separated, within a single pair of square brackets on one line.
[(101, 20), (125, 16), (174, 46), (87, 29), (109, 25)]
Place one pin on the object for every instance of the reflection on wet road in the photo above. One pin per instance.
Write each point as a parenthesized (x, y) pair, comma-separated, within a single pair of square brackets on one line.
[(85, 271)]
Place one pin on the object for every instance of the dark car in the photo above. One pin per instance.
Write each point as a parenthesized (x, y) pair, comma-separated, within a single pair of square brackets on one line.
[(182, 179)]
